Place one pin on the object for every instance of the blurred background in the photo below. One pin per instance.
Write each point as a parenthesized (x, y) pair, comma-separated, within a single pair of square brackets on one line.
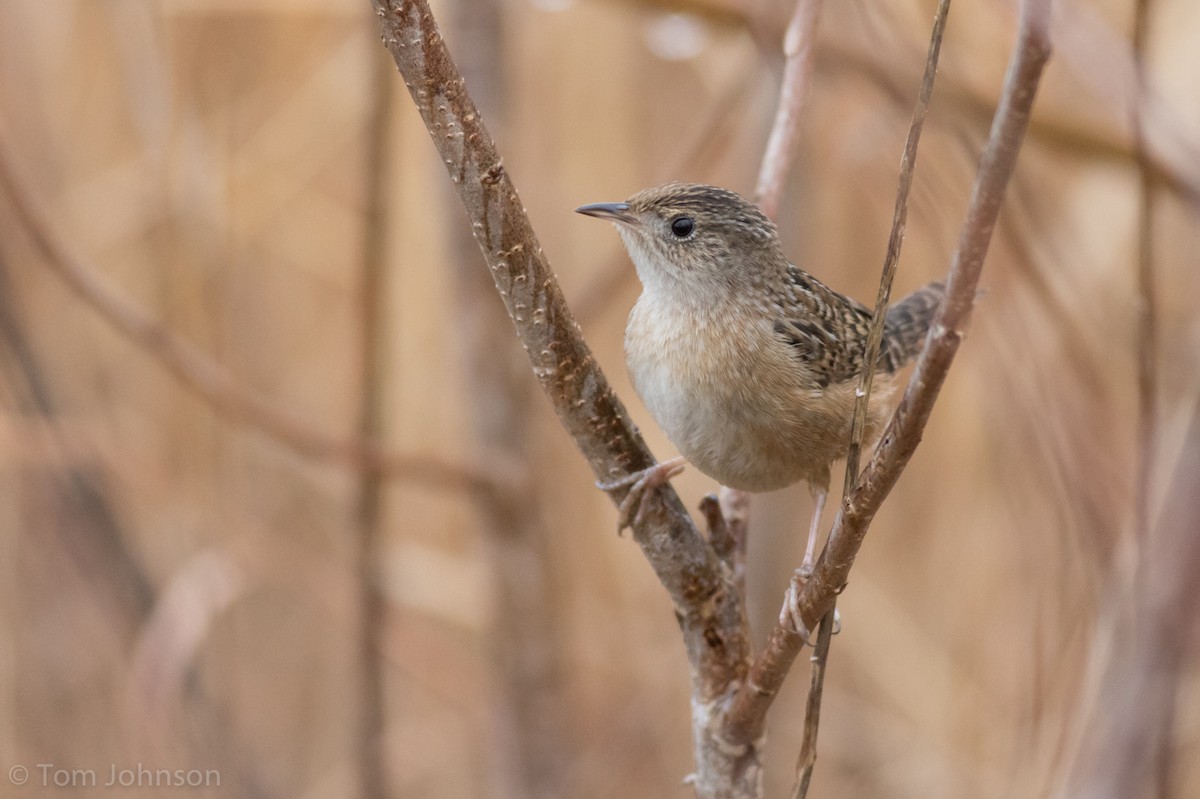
[(280, 499)]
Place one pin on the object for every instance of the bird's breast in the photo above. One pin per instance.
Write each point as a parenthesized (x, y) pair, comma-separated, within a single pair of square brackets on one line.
[(732, 397)]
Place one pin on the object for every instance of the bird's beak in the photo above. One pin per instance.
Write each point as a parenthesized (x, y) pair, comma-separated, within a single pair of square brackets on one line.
[(617, 212)]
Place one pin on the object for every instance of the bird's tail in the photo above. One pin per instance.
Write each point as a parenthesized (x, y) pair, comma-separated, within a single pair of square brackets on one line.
[(908, 321)]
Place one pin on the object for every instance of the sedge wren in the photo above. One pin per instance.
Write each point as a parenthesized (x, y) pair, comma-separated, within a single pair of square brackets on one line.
[(747, 362)]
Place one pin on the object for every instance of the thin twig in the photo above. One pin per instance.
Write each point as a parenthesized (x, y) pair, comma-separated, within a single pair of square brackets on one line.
[(373, 313), (798, 49), (747, 714), (226, 396), (1147, 355), (908, 162), (891, 261), (719, 534), (735, 507), (807, 758), (726, 525), (1147, 334)]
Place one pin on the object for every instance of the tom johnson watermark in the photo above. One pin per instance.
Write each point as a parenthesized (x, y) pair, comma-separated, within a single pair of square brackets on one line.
[(50, 775)]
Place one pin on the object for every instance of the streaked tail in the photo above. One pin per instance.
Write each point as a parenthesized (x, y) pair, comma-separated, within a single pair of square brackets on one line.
[(907, 323)]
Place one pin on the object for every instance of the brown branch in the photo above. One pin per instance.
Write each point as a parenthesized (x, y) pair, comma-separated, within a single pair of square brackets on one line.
[(735, 507), (720, 533), (1147, 334), (223, 394), (798, 47), (1154, 726), (709, 609), (908, 161), (746, 717), (373, 312), (727, 520)]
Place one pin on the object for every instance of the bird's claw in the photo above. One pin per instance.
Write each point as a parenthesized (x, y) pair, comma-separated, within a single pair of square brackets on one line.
[(789, 614), (639, 483)]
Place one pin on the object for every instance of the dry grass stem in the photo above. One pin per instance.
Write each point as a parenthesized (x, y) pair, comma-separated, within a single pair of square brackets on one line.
[(799, 45), (373, 313), (908, 162), (806, 760), (1147, 322)]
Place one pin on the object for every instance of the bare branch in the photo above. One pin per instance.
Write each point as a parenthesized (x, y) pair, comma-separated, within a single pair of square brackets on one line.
[(807, 758), (735, 506), (747, 715), (798, 49), (719, 533), (727, 521), (221, 391), (1147, 323)]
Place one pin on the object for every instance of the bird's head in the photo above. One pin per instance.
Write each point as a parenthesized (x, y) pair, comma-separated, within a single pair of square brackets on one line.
[(689, 236)]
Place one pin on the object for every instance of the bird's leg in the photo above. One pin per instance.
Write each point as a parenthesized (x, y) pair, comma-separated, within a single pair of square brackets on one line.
[(639, 483), (791, 609), (814, 529)]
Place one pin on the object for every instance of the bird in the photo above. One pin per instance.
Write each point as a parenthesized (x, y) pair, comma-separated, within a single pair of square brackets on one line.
[(748, 363)]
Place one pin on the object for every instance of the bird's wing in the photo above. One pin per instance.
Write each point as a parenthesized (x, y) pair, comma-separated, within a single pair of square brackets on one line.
[(828, 330)]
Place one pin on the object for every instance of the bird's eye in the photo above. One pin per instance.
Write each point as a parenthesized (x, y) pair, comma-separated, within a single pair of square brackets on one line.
[(682, 226)]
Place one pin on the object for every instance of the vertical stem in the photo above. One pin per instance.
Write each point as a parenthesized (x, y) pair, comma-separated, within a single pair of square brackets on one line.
[(1147, 357), (798, 50), (372, 316), (1147, 334), (807, 759)]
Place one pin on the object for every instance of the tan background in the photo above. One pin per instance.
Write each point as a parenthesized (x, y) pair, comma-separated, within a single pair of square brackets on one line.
[(181, 589)]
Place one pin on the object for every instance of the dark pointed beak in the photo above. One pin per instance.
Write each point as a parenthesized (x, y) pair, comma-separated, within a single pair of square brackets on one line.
[(617, 212)]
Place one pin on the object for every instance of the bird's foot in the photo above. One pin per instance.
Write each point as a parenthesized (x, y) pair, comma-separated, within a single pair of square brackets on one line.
[(789, 614), (639, 483)]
